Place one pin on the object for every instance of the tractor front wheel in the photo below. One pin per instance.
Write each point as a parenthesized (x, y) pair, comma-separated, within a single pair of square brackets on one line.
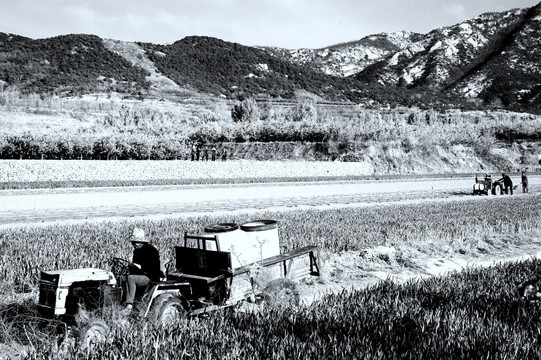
[(167, 309), (93, 333)]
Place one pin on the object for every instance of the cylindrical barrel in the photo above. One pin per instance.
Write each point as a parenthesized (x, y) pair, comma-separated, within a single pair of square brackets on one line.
[(248, 243), (230, 239), (263, 234), (226, 233)]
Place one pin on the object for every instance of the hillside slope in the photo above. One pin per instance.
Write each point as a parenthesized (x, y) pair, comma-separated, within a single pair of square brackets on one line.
[(230, 69), (352, 57), (70, 63), (490, 61)]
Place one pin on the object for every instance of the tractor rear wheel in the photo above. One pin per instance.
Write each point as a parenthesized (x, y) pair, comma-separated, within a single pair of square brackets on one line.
[(497, 190), (167, 309)]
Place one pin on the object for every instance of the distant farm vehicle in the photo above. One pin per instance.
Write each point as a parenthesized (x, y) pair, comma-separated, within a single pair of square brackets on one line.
[(486, 186), (498, 188), (223, 267)]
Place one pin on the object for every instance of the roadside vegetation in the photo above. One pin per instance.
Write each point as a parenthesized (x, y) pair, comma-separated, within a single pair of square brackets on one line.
[(105, 129), (471, 314)]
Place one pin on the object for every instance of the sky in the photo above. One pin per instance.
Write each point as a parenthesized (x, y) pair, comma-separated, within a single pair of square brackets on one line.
[(288, 24)]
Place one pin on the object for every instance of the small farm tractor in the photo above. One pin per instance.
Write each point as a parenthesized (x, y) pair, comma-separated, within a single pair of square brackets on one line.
[(222, 267), (486, 186)]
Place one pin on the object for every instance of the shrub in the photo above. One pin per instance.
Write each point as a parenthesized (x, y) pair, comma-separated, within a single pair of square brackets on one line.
[(304, 110), (247, 111)]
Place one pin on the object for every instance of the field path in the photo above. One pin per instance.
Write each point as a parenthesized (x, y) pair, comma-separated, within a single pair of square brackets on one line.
[(50, 206)]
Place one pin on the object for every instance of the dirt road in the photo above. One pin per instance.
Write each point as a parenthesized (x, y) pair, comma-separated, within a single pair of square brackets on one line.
[(46, 206)]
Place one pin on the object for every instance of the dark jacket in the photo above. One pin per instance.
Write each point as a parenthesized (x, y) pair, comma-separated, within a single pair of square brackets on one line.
[(507, 181), (148, 257)]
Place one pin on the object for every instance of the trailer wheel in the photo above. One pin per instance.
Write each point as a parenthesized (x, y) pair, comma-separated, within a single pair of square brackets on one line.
[(93, 333), (167, 309), (281, 292)]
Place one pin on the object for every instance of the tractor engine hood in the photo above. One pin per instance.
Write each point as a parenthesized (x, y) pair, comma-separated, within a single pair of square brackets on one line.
[(68, 277)]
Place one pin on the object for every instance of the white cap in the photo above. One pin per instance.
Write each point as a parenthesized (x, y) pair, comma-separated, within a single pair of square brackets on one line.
[(138, 235)]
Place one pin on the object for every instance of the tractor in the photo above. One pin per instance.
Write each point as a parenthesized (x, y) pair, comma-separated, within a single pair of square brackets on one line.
[(224, 266), (486, 186)]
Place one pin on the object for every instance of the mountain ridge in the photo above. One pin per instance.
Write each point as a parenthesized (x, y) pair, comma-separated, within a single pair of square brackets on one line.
[(490, 61)]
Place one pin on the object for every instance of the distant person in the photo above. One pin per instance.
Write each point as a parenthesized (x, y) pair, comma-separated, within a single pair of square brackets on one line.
[(507, 183), (488, 181), (193, 151), (524, 182), (224, 155), (206, 153), (197, 152), (213, 153)]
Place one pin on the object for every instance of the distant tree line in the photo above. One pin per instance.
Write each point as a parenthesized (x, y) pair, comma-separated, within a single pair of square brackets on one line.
[(94, 147), (141, 146), (130, 135)]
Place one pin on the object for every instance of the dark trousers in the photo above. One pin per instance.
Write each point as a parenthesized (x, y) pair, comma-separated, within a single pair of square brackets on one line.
[(133, 282)]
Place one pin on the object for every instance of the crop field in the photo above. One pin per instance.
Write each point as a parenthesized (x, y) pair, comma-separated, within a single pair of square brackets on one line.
[(471, 314)]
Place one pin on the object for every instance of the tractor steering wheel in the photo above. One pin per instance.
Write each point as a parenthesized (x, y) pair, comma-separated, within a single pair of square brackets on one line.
[(120, 267)]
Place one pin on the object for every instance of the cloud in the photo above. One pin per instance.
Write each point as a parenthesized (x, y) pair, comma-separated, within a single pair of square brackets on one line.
[(285, 23)]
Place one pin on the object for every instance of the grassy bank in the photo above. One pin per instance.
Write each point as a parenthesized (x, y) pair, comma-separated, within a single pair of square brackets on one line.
[(99, 129)]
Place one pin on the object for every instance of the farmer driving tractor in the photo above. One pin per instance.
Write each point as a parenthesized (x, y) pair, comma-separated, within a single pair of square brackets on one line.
[(145, 267)]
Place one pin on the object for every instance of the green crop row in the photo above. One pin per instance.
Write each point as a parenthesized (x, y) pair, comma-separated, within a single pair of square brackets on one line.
[(455, 226), (474, 314)]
